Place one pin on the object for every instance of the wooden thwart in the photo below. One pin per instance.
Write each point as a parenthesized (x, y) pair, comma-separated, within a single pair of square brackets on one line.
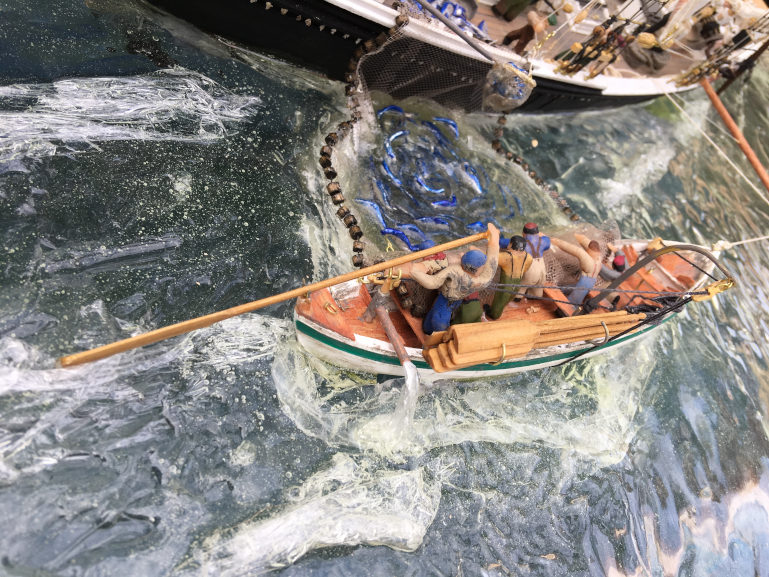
[(471, 344)]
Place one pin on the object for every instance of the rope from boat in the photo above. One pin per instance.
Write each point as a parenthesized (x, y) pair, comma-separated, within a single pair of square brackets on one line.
[(726, 245), (511, 288), (718, 149), (554, 300), (648, 320), (499, 148), (690, 263)]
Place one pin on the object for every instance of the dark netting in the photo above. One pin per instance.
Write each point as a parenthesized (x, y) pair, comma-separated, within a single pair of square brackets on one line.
[(415, 298), (405, 67)]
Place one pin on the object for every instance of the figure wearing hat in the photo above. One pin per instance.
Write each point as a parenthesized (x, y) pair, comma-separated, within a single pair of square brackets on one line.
[(589, 255), (536, 245), (514, 262), (617, 265), (610, 274), (458, 282)]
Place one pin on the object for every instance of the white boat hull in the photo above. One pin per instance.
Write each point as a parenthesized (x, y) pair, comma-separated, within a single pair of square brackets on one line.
[(377, 357)]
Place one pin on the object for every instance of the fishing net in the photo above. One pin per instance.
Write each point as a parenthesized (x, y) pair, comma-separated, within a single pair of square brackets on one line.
[(563, 269), (402, 65)]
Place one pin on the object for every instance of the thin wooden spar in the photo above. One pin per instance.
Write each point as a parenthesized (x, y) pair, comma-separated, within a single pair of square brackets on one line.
[(207, 320), (736, 132)]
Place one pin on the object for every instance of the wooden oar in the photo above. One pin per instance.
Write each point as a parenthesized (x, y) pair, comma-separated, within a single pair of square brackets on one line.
[(736, 132), (207, 320)]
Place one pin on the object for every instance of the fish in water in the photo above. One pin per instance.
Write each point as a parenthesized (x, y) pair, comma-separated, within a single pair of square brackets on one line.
[(476, 226), (473, 174), (390, 173), (436, 220), (442, 140), (413, 228), (519, 204), (504, 191), (390, 139), (446, 203), (397, 233), (486, 178), (375, 208), (392, 108), (385, 192), (437, 154), (427, 187), (450, 122)]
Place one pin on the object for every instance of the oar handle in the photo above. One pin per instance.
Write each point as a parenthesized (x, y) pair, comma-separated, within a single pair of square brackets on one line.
[(207, 320)]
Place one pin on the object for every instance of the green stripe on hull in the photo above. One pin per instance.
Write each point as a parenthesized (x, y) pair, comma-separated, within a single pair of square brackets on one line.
[(393, 360)]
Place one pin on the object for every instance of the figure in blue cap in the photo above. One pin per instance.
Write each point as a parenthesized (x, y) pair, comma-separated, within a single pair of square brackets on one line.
[(458, 283)]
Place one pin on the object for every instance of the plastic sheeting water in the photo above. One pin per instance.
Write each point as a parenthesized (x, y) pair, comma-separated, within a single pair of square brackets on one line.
[(150, 174)]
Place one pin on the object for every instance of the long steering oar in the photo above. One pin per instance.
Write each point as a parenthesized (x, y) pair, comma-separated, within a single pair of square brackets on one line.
[(207, 320), (736, 132)]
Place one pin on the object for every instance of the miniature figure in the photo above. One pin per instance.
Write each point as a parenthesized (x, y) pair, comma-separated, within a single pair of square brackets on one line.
[(617, 265), (514, 261), (589, 256), (536, 245), (610, 274), (535, 24), (456, 283)]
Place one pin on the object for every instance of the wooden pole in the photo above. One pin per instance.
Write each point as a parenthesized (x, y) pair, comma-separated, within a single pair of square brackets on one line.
[(207, 320), (736, 132)]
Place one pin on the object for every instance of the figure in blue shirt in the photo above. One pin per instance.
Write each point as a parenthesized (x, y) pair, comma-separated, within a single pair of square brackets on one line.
[(536, 245)]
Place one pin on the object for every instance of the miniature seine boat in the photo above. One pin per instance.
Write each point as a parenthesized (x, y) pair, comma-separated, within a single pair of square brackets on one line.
[(372, 331)]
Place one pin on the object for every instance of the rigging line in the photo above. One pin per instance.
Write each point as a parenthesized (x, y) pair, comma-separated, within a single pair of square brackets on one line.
[(568, 22), (533, 298), (646, 321), (719, 127), (510, 287), (725, 245), (682, 257), (721, 152), (683, 55)]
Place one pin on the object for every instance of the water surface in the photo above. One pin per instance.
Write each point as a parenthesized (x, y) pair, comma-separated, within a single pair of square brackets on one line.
[(150, 174)]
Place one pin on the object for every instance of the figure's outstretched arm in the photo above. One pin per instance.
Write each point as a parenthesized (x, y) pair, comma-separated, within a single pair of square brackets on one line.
[(585, 260), (568, 247), (430, 281), (582, 240)]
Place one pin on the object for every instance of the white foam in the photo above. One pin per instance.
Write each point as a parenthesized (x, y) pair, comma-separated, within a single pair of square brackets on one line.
[(75, 114), (350, 503)]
